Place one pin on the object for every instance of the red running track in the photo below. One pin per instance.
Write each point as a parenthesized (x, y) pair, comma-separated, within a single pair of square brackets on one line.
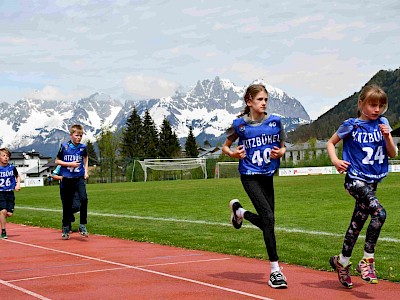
[(37, 264)]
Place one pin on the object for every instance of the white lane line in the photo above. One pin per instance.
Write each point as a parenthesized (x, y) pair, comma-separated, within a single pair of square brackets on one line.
[(144, 270), (282, 229), (33, 294)]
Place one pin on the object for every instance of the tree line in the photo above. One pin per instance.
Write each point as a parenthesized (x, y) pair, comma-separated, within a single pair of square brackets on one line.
[(137, 140)]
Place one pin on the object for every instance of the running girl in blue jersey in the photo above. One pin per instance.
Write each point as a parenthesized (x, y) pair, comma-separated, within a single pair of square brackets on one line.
[(9, 181), (73, 159), (260, 147), (367, 143)]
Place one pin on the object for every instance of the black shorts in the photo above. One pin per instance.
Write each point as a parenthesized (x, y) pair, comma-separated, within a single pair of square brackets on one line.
[(7, 201)]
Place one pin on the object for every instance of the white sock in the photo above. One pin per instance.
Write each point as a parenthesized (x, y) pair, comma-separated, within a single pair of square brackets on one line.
[(344, 260), (274, 266), (240, 212), (368, 255)]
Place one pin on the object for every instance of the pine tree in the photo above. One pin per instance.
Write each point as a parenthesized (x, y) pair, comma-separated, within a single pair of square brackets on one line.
[(150, 137), (92, 155), (132, 137), (191, 145), (169, 144)]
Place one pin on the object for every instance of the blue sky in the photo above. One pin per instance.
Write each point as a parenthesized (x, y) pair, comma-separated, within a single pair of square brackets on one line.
[(316, 51)]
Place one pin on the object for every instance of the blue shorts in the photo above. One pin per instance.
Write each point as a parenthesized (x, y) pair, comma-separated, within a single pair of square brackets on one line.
[(7, 201)]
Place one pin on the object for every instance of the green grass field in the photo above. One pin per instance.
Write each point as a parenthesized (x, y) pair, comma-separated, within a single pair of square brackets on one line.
[(312, 214)]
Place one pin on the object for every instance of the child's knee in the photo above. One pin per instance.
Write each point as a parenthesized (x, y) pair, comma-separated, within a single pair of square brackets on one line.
[(382, 215), (3, 212), (378, 218)]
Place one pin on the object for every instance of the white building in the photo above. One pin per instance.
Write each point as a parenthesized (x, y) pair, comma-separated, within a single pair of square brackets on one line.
[(31, 164)]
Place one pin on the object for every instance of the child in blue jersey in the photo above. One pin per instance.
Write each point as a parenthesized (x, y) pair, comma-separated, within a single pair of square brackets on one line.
[(260, 147), (76, 203), (73, 159), (9, 181), (367, 143)]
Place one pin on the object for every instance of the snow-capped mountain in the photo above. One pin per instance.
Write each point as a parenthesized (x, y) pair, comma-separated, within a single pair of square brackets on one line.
[(209, 108)]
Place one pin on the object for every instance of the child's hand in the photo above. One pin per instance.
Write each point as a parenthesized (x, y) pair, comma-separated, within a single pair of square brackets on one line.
[(17, 188), (277, 152), (341, 165), (74, 164), (384, 129), (239, 152)]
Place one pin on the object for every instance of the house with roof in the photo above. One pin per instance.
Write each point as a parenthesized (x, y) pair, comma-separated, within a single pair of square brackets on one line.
[(32, 164)]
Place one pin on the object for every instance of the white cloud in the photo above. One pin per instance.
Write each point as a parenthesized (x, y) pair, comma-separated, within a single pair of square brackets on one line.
[(54, 93), (318, 52), (146, 87)]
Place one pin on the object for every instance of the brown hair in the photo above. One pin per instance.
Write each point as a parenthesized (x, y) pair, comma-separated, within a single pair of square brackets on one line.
[(250, 93), (6, 151), (372, 94), (76, 128)]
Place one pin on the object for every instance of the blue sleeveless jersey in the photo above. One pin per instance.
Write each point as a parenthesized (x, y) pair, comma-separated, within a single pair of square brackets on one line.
[(7, 178), (365, 148), (69, 152), (258, 141)]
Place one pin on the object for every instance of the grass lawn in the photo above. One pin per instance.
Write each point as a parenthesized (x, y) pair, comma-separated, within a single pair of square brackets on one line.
[(312, 215)]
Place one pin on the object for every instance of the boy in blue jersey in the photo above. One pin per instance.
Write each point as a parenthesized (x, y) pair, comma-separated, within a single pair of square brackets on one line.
[(367, 143), (9, 181), (76, 203), (73, 159), (260, 147)]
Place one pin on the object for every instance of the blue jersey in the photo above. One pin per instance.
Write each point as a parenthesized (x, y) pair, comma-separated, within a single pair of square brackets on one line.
[(365, 148), (69, 152), (8, 179), (258, 141)]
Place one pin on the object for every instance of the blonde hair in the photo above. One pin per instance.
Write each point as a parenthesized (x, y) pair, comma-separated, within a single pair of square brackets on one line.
[(251, 92), (372, 94), (76, 128), (6, 151)]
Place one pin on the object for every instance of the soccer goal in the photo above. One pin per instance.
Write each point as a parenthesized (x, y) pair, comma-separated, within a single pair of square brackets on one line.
[(174, 168), (226, 169)]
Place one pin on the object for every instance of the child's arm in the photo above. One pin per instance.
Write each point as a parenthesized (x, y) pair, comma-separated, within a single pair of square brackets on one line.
[(340, 165), (18, 184), (238, 152), (56, 177), (73, 164), (86, 164), (390, 146), (278, 152)]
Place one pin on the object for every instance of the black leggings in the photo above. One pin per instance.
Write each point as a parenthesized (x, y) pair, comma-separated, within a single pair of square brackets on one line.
[(260, 190), (366, 204)]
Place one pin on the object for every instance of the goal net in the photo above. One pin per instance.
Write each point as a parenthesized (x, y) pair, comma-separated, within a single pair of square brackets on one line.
[(173, 168), (226, 169)]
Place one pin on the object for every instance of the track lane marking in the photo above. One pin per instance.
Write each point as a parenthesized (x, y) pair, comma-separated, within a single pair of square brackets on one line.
[(282, 229), (139, 269)]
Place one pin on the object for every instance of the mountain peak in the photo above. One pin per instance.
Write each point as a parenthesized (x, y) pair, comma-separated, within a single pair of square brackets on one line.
[(209, 108)]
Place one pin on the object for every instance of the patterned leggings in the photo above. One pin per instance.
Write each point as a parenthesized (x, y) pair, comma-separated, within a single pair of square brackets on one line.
[(366, 204)]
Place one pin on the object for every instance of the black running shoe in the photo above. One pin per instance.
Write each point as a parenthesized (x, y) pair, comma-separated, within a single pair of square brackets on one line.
[(277, 280), (235, 220)]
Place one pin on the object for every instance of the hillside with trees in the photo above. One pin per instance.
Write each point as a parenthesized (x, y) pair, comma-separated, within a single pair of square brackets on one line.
[(326, 124)]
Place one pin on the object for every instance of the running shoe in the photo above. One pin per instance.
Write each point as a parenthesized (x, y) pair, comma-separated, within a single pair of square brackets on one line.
[(366, 267), (4, 235), (277, 280), (235, 220), (65, 233), (343, 271), (83, 231)]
